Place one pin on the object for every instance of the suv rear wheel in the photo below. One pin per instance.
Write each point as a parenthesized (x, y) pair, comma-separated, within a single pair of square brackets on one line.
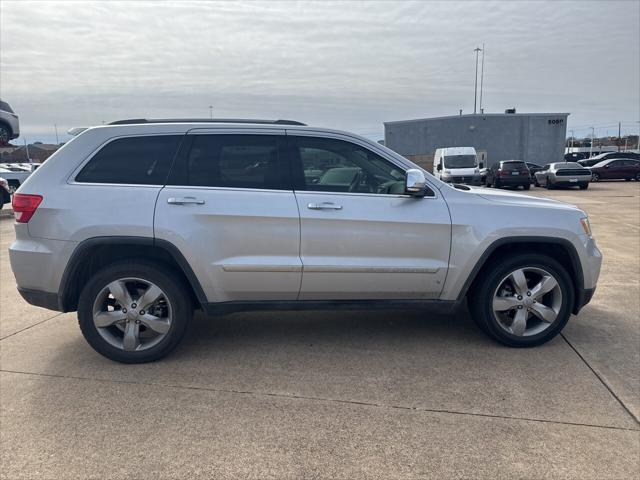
[(134, 312), (523, 301)]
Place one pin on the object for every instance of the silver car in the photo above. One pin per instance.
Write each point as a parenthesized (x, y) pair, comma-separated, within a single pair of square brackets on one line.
[(135, 225), (9, 124), (563, 174)]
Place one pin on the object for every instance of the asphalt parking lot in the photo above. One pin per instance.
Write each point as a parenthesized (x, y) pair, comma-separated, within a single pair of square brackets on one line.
[(341, 395)]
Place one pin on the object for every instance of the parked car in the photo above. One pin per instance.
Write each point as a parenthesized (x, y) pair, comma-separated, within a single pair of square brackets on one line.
[(563, 174), (9, 124), (136, 224), (618, 168), (14, 177), (508, 173), (590, 162), (5, 195), (533, 168)]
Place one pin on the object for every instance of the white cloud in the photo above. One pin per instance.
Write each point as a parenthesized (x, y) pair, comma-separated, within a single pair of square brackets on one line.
[(348, 65)]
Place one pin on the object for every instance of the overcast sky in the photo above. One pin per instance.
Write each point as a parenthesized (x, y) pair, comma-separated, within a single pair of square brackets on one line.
[(344, 65)]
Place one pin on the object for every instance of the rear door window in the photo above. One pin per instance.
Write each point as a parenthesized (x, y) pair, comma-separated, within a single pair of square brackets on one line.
[(132, 160), (234, 161)]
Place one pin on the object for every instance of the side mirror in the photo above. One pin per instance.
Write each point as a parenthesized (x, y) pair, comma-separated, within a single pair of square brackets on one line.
[(415, 182), (439, 167)]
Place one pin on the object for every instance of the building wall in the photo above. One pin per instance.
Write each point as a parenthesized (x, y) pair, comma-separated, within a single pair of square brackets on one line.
[(537, 138)]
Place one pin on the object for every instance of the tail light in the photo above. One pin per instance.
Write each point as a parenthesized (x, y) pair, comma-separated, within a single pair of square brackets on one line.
[(503, 173), (24, 206)]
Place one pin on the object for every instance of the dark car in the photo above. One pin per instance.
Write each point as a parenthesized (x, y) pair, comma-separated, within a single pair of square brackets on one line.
[(509, 173), (590, 162), (616, 169), (533, 168)]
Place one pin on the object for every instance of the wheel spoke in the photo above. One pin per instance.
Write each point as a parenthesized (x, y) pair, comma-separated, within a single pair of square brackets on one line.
[(152, 294), (157, 324), (519, 324), (544, 313), (119, 291), (106, 319), (519, 281), (131, 339), (546, 284), (501, 304)]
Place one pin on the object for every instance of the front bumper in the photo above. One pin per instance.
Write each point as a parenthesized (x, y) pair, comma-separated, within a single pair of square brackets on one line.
[(465, 180)]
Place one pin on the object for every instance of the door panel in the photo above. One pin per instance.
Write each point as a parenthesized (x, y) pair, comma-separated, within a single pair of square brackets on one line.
[(374, 247), (242, 243)]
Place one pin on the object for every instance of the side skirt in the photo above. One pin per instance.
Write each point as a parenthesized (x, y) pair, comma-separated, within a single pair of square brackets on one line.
[(441, 307)]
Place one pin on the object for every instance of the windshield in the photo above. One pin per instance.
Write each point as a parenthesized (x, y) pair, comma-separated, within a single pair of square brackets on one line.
[(460, 161), (601, 164), (560, 166), (513, 166)]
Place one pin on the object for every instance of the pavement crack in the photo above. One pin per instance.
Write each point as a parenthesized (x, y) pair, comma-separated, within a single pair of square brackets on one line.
[(601, 379), (31, 326), (323, 399)]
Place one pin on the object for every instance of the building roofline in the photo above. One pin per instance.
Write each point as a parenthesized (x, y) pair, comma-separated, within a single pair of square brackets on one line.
[(467, 115)]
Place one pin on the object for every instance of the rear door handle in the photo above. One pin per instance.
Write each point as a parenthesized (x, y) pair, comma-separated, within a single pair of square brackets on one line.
[(324, 206), (184, 201)]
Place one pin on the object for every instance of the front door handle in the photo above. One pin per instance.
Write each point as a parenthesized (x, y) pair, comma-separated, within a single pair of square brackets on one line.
[(324, 206), (184, 201)]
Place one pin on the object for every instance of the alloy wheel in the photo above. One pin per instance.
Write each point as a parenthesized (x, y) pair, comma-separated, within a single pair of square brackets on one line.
[(527, 301), (132, 314), (595, 177)]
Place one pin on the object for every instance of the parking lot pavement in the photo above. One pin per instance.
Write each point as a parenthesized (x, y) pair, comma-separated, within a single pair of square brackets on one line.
[(345, 394)]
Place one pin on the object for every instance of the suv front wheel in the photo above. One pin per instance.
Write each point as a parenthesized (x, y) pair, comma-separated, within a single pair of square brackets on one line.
[(523, 301), (134, 312)]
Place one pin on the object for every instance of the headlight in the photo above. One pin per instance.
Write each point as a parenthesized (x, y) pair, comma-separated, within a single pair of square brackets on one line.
[(586, 226)]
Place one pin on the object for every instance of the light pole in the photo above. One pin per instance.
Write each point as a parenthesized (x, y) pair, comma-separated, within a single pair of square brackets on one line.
[(211, 112), (482, 78), (56, 129), (572, 137), (475, 95), (593, 134)]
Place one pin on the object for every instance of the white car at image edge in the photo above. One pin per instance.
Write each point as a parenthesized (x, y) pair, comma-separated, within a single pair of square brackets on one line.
[(136, 224)]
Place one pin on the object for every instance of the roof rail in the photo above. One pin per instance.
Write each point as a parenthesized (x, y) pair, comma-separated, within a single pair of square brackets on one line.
[(134, 121)]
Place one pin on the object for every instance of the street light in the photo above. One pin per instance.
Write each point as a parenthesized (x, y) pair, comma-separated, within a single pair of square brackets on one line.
[(211, 112), (475, 95)]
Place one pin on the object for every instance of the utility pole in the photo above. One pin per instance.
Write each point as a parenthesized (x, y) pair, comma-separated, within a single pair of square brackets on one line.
[(211, 112), (482, 78), (573, 136), (26, 147), (56, 129), (593, 134), (475, 94), (619, 137)]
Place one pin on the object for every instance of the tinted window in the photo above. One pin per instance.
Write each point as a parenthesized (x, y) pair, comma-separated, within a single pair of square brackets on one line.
[(235, 161), (513, 166), (133, 160), (338, 166), (616, 163), (631, 163)]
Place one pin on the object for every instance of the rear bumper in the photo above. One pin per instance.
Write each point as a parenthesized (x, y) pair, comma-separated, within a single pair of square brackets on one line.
[(47, 300), (513, 180)]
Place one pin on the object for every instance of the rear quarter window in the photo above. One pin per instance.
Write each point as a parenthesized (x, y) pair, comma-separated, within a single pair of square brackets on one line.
[(132, 160)]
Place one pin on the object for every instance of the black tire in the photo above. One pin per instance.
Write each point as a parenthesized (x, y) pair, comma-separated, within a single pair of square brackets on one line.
[(549, 185), (584, 186), (166, 280), (627, 179), (535, 182), (527, 186), (637, 177), (481, 299), (496, 183)]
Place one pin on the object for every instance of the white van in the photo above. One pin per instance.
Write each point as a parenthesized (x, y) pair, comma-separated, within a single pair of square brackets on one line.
[(457, 165)]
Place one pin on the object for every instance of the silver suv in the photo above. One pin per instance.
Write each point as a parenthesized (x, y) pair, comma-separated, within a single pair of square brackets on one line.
[(137, 223), (9, 124)]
